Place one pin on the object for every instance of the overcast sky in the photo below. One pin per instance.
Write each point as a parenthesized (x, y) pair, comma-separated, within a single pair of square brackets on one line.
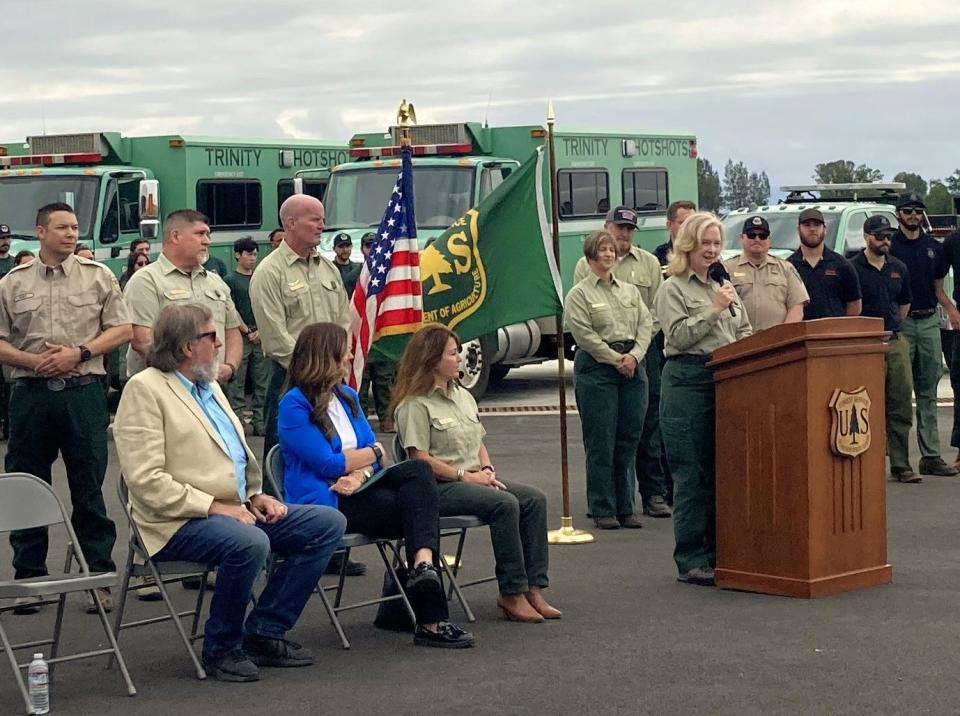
[(780, 85)]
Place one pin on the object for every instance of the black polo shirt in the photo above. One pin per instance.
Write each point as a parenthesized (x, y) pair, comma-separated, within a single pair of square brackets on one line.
[(662, 252), (951, 257), (925, 261), (832, 284), (884, 290)]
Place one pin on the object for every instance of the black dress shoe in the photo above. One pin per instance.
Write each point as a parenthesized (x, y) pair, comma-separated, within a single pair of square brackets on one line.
[(265, 651), (698, 575), (354, 569), (234, 665), (447, 636), (424, 579), (629, 522)]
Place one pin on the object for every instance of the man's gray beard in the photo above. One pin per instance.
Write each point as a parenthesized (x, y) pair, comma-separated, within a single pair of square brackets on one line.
[(206, 372)]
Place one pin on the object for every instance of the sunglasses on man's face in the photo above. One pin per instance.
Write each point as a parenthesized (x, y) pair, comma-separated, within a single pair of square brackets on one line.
[(758, 236), (911, 210), (212, 335)]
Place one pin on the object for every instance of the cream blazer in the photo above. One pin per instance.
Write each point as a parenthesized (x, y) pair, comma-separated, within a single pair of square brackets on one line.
[(172, 457)]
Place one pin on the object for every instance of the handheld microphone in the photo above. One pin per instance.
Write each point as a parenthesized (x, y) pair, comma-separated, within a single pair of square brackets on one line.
[(718, 273)]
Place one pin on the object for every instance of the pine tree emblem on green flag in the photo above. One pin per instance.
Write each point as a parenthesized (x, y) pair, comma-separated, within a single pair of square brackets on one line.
[(495, 265)]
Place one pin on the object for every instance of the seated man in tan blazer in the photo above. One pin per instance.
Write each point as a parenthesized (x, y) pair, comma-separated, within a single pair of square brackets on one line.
[(195, 494)]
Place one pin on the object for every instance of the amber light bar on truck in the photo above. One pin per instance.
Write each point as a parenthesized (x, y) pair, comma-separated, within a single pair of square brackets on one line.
[(419, 150), (50, 160)]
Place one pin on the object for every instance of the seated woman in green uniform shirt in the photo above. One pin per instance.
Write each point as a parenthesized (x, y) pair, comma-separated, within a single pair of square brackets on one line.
[(695, 314), (612, 328), (437, 421)]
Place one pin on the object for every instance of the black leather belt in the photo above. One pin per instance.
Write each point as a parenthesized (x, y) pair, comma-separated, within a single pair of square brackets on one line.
[(690, 358), (925, 313), (622, 346), (58, 384)]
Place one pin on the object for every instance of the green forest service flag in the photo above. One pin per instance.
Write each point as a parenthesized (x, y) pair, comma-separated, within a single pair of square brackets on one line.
[(495, 265)]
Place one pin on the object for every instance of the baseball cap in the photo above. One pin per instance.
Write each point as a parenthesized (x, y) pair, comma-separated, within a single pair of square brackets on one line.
[(622, 215), (910, 199), (876, 225), (811, 215), (756, 225), (4, 230), (342, 239), (368, 238)]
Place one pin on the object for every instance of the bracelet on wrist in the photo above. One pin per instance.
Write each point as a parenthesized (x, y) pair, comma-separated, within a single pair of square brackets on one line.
[(487, 468), (460, 474)]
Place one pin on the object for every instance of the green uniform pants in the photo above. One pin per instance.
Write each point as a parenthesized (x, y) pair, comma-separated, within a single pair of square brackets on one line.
[(923, 335), (651, 479), (518, 528), (379, 375), (687, 422), (72, 422), (254, 363), (898, 391), (612, 408)]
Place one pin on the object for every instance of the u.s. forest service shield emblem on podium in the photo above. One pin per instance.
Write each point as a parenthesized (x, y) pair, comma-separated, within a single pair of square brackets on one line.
[(850, 432)]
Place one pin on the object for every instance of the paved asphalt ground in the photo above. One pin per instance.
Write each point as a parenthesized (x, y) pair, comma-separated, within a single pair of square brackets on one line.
[(632, 639)]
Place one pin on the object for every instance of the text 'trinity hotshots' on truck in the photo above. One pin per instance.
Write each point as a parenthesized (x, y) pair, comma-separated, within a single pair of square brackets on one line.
[(457, 165)]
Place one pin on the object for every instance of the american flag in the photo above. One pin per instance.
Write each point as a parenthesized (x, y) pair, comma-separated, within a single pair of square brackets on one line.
[(386, 300)]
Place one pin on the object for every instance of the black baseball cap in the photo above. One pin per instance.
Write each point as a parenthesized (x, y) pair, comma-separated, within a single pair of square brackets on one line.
[(811, 214), (368, 238), (622, 215), (877, 225), (342, 239), (910, 199), (756, 225), (4, 231)]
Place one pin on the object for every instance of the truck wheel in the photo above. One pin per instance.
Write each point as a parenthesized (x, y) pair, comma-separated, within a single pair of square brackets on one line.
[(476, 366)]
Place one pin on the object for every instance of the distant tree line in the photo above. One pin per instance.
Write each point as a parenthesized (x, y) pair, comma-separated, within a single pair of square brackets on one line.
[(742, 187)]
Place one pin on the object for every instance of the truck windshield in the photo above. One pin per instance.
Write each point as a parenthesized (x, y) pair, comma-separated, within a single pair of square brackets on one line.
[(783, 230), (21, 197), (356, 198)]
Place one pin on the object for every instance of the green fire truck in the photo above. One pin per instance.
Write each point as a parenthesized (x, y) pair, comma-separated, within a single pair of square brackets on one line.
[(457, 165), (238, 183)]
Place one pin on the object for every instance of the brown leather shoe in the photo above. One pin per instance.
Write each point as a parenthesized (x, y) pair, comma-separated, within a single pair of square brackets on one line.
[(905, 474), (536, 600), (607, 523), (514, 608), (630, 522), (936, 466)]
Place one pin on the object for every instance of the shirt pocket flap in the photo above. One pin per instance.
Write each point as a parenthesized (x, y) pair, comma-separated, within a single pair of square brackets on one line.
[(215, 294), (176, 294), (30, 303), (84, 298), (442, 423), (331, 284)]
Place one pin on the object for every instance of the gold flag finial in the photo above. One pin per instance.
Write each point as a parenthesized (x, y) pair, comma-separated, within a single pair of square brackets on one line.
[(406, 114)]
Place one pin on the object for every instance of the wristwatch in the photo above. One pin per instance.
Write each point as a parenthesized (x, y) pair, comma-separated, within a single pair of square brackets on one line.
[(85, 353), (378, 453)]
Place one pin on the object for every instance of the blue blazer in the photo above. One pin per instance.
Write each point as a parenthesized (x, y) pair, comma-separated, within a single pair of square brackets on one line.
[(311, 463)]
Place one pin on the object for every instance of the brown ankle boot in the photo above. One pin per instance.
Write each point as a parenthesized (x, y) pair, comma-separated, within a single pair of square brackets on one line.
[(514, 608), (536, 600)]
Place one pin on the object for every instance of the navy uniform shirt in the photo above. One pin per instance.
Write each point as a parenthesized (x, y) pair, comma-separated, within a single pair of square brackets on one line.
[(951, 257), (662, 252), (925, 261), (884, 290), (832, 284)]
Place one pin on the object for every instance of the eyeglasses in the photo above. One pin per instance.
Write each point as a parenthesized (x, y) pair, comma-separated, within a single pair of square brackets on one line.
[(212, 335), (911, 210), (882, 237)]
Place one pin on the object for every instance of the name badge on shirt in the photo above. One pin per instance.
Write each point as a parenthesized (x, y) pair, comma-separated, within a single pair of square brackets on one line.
[(830, 272), (739, 274), (176, 293), (696, 301), (23, 296), (598, 305), (895, 274), (445, 421), (297, 285)]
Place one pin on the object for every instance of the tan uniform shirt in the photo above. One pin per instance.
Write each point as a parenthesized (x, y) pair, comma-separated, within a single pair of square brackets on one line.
[(638, 267), (768, 291), (161, 283), (289, 293), (444, 423), (70, 304), (597, 313), (690, 325)]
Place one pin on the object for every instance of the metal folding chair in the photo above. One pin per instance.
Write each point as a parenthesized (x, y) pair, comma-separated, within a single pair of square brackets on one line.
[(139, 564), (451, 526), (273, 474), (27, 502)]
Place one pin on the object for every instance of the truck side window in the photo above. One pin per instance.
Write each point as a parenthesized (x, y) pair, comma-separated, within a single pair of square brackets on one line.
[(313, 187), (645, 190), (853, 237), (582, 192), (231, 203), (490, 179)]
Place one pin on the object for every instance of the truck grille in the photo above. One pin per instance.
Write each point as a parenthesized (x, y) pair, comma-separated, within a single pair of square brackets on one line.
[(435, 134)]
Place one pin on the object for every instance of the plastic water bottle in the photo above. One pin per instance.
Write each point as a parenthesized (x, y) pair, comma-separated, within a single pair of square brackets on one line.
[(38, 676)]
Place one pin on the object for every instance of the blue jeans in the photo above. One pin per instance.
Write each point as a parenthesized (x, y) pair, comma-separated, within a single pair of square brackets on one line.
[(306, 538)]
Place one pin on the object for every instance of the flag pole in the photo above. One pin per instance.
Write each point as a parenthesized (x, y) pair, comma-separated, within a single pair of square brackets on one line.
[(567, 534)]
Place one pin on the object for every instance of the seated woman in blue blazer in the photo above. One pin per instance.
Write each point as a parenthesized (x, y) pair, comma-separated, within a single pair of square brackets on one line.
[(329, 451)]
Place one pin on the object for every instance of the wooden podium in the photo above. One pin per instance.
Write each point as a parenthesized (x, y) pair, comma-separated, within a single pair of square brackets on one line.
[(801, 470)]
